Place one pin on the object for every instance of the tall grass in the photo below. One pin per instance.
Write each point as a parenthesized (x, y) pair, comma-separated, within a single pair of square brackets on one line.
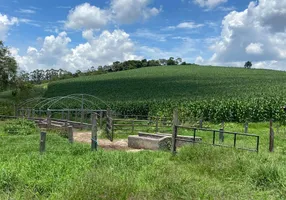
[(68, 171), (197, 172)]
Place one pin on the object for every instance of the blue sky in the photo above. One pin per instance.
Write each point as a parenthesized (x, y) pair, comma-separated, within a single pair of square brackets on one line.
[(79, 34)]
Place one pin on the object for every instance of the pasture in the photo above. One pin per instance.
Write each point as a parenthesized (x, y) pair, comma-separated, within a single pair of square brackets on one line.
[(72, 171)]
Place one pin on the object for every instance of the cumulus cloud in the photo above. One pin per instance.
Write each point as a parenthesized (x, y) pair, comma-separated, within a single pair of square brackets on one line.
[(86, 16), (129, 11), (257, 34), (48, 56), (107, 48), (254, 48), (209, 4), (5, 24), (199, 60), (54, 53)]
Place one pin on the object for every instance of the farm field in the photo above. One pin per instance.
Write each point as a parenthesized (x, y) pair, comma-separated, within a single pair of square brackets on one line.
[(68, 171), (175, 82), (199, 92), (211, 93)]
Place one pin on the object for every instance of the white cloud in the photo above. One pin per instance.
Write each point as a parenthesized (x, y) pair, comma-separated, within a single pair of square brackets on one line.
[(107, 48), (199, 60), (5, 24), (254, 48), (88, 34), (129, 11), (48, 56), (209, 4), (189, 25), (184, 25), (86, 16), (257, 34), (54, 53), (30, 22), (26, 11)]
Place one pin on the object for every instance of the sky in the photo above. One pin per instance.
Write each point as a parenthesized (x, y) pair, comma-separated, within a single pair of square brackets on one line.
[(78, 34)]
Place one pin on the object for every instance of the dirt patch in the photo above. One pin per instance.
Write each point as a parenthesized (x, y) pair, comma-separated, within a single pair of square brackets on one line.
[(121, 144)]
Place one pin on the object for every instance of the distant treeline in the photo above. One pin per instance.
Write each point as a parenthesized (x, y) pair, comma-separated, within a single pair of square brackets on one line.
[(42, 76)]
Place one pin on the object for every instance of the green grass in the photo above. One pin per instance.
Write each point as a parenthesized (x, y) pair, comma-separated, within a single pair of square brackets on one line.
[(68, 171)]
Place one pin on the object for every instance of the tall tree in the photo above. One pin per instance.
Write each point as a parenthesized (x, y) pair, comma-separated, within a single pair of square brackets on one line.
[(8, 67), (171, 61), (248, 65)]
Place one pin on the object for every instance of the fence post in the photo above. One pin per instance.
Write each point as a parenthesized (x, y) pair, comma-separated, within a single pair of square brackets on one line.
[(175, 131), (107, 121), (157, 125), (70, 134), (112, 129), (62, 115), (271, 137), (246, 127), (49, 120), (201, 123), (132, 126), (221, 135), (43, 142), (94, 133), (100, 119)]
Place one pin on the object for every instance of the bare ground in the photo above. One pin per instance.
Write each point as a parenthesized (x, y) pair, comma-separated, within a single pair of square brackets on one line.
[(122, 144)]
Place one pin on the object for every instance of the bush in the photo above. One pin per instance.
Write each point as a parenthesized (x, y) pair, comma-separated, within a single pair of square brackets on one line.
[(20, 127)]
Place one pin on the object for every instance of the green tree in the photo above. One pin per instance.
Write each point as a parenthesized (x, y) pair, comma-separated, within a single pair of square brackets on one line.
[(248, 65), (8, 68), (171, 61)]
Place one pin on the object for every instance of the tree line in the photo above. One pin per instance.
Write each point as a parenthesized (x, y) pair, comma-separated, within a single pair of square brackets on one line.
[(41, 76), (12, 78)]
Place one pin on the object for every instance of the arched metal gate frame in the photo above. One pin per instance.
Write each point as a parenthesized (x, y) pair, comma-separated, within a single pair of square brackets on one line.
[(74, 108)]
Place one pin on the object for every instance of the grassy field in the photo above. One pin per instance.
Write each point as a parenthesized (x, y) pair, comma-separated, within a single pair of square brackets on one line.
[(68, 171), (211, 93)]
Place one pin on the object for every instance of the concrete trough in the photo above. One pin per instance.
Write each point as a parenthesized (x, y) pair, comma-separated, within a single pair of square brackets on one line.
[(159, 141)]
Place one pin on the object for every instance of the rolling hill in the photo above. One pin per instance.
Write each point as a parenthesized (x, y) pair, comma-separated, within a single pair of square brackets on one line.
[(211, 93), (175, 82)]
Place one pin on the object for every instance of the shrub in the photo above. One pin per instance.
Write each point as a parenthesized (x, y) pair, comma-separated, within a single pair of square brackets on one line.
[(20, 127)]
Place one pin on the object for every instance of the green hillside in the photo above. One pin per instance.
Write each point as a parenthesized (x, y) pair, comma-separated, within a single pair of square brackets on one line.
[(175, 82), (211, 93)]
